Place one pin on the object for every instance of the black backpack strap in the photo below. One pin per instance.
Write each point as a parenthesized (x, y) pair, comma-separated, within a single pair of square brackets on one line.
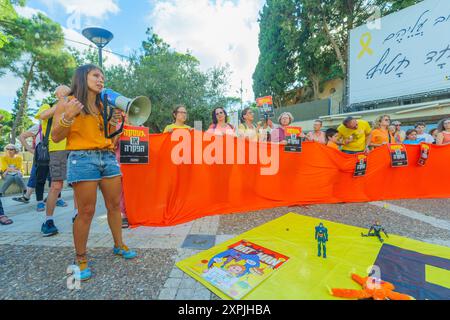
[(47, 131)]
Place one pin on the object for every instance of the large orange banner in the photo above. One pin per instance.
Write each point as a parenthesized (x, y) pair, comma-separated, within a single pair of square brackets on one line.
[(163, 193)]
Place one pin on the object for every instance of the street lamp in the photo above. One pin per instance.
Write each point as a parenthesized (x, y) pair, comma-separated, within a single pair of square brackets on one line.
[(100, 37)]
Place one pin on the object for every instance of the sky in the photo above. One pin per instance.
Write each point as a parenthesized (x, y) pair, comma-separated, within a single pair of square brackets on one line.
[(217, 32)]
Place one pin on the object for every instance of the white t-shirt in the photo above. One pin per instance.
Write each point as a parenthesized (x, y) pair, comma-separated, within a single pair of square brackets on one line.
[(34, 130), (428, 138)]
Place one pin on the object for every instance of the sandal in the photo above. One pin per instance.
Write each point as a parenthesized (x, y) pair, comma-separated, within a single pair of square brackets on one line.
[(4, 220)]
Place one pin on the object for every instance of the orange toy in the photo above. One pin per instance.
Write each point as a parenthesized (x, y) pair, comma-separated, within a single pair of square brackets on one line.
[(372, 288)]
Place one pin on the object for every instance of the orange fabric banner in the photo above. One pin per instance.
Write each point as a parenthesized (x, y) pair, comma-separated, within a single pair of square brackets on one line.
[(162, 193)]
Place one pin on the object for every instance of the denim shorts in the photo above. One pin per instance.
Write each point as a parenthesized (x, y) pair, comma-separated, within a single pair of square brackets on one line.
[(91, 165)]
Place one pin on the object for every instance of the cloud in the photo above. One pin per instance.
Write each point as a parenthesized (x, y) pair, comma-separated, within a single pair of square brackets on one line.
[(28, 12), (216, 32), (89, 8)]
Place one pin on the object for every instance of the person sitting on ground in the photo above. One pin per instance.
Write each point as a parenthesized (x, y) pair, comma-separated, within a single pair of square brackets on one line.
[(4, 220), (11, 169), (179, 115), (399, 134), (381, 134), (443, 136), (247, 129), (411, 137), (278, 135), (355, 135), (332, 138), (220, 125), (422, 136), (317, 135)]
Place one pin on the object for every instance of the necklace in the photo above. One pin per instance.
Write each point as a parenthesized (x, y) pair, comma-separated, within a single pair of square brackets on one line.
[(98, 117)]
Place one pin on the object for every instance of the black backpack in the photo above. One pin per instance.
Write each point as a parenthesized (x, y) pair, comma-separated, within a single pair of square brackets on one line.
[(41, 153)]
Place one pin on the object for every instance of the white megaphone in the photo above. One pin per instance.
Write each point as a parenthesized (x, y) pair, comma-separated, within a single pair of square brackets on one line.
[(138, 109)]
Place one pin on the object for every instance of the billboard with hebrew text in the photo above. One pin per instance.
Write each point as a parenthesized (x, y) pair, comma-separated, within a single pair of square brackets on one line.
[(405, 53)]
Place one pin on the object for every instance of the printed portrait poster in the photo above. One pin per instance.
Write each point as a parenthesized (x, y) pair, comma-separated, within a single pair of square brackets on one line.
[(134, 144), (424, 154), (240, 268), (398, 154), (361, 166), (266, 106), (294, 141)]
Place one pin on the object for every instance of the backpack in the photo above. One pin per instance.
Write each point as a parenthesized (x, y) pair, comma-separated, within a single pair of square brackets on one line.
[(41, 153)]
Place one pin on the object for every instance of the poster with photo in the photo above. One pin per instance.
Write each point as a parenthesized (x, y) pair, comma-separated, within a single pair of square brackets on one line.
[(361, 166), (424, 154), (294, 141), (265, 104), (399, 157)]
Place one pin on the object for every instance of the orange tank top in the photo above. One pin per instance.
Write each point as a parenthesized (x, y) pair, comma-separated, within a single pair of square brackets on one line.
[(87, 133), (446, 137)]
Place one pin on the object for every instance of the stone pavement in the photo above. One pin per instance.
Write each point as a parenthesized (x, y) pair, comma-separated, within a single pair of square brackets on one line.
[(33, 267)]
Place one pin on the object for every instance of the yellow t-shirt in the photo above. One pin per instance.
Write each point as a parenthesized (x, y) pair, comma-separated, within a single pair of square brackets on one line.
[(53, 146), (173, 126), (7, 162), (247, 132), (359, 136)]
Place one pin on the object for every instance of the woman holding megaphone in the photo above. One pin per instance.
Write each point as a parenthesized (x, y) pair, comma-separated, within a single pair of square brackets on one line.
[(92, 162)]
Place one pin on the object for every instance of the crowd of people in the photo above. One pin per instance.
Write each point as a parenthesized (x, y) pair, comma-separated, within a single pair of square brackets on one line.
[(69, 144), (352, 136)]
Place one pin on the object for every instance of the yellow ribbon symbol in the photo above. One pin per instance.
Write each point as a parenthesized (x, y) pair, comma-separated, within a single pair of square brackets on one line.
[(365, 44)]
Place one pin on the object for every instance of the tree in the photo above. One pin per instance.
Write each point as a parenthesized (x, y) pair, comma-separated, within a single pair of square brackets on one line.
[(7, 17), (5, 128), (45, 64), (313, 55), (25, 121), (170, 78), (275, 71), (314, 35)]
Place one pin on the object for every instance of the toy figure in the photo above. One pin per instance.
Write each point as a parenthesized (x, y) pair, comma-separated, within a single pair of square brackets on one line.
[(322, 237), (372, 288), (375, 231)]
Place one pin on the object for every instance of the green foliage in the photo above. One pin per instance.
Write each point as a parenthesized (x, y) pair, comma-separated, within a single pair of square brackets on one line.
[(170, 78), (5, 128), (275, 71), (304, 42), (7, 17), (25, 121), (43, 64)]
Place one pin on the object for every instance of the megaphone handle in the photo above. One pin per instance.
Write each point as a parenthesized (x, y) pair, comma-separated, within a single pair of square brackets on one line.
[(105, 115), (115, 133), (111, 112)]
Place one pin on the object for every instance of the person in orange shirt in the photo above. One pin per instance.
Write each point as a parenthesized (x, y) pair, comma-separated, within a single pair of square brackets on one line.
[(92, 162), (381, 134), (332, 138)]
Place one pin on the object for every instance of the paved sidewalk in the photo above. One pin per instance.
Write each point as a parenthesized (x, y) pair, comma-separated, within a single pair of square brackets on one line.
[(34, 267)]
